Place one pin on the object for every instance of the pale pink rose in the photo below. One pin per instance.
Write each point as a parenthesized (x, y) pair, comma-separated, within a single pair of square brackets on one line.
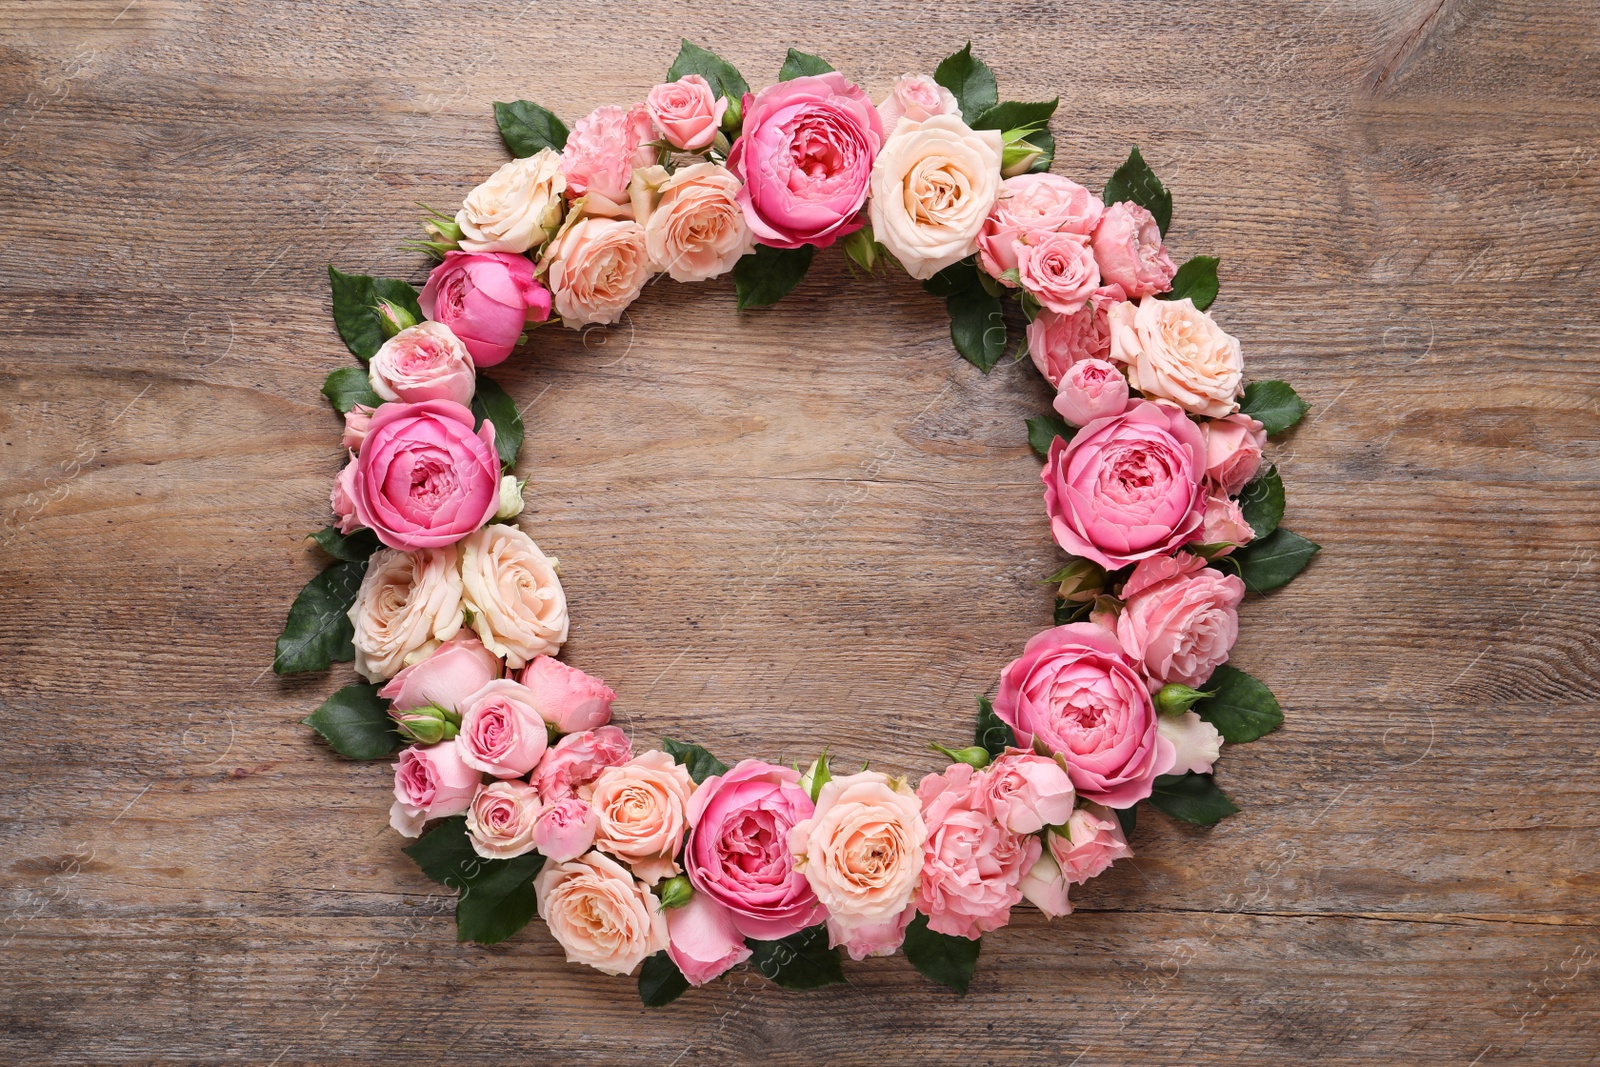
[(933, 184), (451, 673), (1196, 742), (603, 149), (568, 699), (599, 914), (344, 507), (1033, 203), (596, 268), (356, 423), (486, 298), (423, 362), (1091, 389), (501, 820), (501, 732), (1224, 525), (686, 112), (640, 812), (696, 229), (1045, 887), (1127, 245), (1179, 619), (1175, 352), (1056, 342), (1028, 791), (565, 830), (972, 866), (702, 940), (424, 478), (430, 783), (915, 97), (864, 939), (511, 587), (1095, 842), (577, 759), (1233, 451), (408, 602), (1058, 269)]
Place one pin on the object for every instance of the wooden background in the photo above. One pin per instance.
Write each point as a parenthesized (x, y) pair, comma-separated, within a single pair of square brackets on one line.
[(807, 525)]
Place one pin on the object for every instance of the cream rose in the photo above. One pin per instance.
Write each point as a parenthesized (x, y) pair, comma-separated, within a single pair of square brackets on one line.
[(511, 588), (933, 185), (501, 819), (639, 810), (1178, 353), (407, 604), (696, 229), (518, 208), (599, 914), (595, 269)]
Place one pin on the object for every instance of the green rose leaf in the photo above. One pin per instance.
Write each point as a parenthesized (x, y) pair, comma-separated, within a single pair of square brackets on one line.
[(956, 278), (992, 734), (1242, 708), (1197, 280), (977, 327), (969, 80), (799, 961), (1262, 502), (493, 403), (445, 854), (1014, 114), (356, 722), (499, 901), (1128, 818), (701, 764), (947, 960), (1135, 181), (766, 275), (355, 302), (1274, 560), (350, 547), (318, 630), (1273, 404), (1043, 429), (1192, 798), (660, 981), (798, 64), (722, 76), (527, 128), (349, 386)]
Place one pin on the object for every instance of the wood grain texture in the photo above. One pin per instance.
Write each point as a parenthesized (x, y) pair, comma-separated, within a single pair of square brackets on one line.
[(811, 524)]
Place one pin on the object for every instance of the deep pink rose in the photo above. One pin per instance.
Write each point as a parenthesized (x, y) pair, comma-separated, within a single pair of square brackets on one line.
[(1077, 692), (1224, 525), (578, 759), (1096, 843), (565, 830), (738, 851), (451, 673), (356, 423), (343, 504), (686, 112), (501, 731), (1128, 486), (1179, 619), (972, 867), (1033, 203), (1233, 450), (423, 478), (1028, 791), (805, 158), (486, 298), (603, 149), (702, 939), (1091, 389), (1058, 269), (430, 783), (569, 700), (1127, 245), (1056, 342)]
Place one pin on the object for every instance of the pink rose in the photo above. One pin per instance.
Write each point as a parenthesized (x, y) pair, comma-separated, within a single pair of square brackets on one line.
[(1028, 791), (1045, 887), (915, 97), (501, 820), (1058, 269), (1180, 619), (702, 940), (577, 760), (1127, 486), (1127, 245), (596, 268), (501, 732), (805, 158), (1034, 203), (423, 362), (640, 808), (423, 478), (1175, 352), (1091, 389), (1095, 841), (603, 148), (1077, 692), (1056, 342), (972, 867), (738, 851), (356, 423), (486, 298), (1233, 451), (599, 914), (568, 699), (1224, 525), (565, 830), (686, 112), (343, 504), (451, 673), (430, 783)]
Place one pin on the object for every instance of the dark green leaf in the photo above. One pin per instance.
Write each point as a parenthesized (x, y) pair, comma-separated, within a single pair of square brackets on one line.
[(1128, 818), (355, 721), (1242, 709), (349, 386), (799, 961), (1197, 280), (1135, 181), (1067, 611), (1192, 798), (493, 403), (701, 764), (977, 327), (355, 301), (354, 546), (1047, 148), (445, 854), (958, 277), (660, 981), (1262, 502), (799, 64), (527, 128), (1273, 404), (318, 630), (721, 75), (766, 275), (1014, 115), (992, 734), (1274, 560), (969, 80), (947, 960), (499, 901), (1043, 429)]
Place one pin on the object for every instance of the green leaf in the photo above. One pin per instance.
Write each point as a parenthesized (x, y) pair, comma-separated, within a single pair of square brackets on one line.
[(970, 80), (1014, 114), (355, 721), (1066, 611), (499, 901), (1192, 798), (701, 764), (820, 777), (445, 854), (318, 630), (798, 64), (493, 403), (722, 76), (351, 547), (767, 275), (1273, 404), (947, 960), (958, 277), (799, 961), (977, 327), (349, 386), (527, 128), (992, 734), (1135, 181), (1274, 560), (1128, 818), (1262, 502), (1197, 280), (660, 981), (1242, 708), (1043, 429), (1047, 148), (355, 302)]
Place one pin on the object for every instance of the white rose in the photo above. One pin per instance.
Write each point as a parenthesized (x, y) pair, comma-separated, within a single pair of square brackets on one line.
[(518, 208), (408, 603), (511, 588), (1197, 742), (1177, 353), (696, 229), (933, 184)]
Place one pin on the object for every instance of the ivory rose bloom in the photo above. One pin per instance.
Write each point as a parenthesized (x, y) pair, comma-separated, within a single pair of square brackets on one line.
[(422, 362), (696, 228), (501, 732), (1127, 245), (862, 853), (577, 759), (1027, 791), (1094, 841), (1179, 354), (1233, 451), (1033, 203), (486, 298), (565, 830), (1056, 342), (565, 697), (424, 478), (1091, 389), (430, 783), (1197, 743), (451, 673), (933, 185), (686, 112), (1224, 525), (518, 208), (596, 268), (501, 819), (915, 98), (599, 914), (640, 815), (407, 603), (1057, 269), (702, 940), (972, 866), (603, 149), (511, 588), (1180, 619)]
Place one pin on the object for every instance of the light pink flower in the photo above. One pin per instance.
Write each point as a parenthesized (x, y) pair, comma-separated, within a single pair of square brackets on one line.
[(424, 478), (1056, 342), (1175, 352), (568, 699), (1091, 389), (686, 112), (596, 268), (486, 298), (640, 808), (565, 830), (1045, 887), (915, 97), (1058, 269), (501, 731), (1096, 842), (1033, 203), (702, 939), (1233, 451), (1179, 619), (1028, 791), (451, 673), (1127, 245), (407, 603), (694, 227), (356, 422), (972, 866), (430, 783), (1225, 525), (501, 820), (343, 505), (423, 362), (577, 759), (603, 149), (599, 913)]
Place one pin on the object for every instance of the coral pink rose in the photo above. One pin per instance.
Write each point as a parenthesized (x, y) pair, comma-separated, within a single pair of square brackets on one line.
[(1176, 352), (501, 731), (640, 812), (686, 112), (738, 851), (599, 913), (486, 298), (1045, 887), (1127, 245), (1224, 527), (577, 759), (1028, 791), (694, 227), (423, 362), (423, 478), (596, 268), (565, 830), (430, 783), (805, 158), (1056, 342), (1128, 486), (568, 699), (702, 940), (501, 820), (356, 423), (1179, 619), (451, 673), (972, 866), (1058, 270), (343, 505), (1078, 693), (603, 149), (1093, 843), (1091, 389), (1233, 451), (1033, 203), (915, 97)]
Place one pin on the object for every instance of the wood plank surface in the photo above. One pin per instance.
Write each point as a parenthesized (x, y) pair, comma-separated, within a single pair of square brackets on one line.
[(811, 524)]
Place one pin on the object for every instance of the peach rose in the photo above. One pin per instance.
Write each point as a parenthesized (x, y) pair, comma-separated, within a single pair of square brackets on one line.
[(696, 229), (915, 98), (430, 783), (1233, 451), (501, 731), (1179, 620), (1177, 353), (518, 208), (933, 185), (595, 268), (408, 603), (511, 588), (599, 914), (1092, 843), (1127, 245), (686, 112), (501, 820), (640, 813), (422, 362)]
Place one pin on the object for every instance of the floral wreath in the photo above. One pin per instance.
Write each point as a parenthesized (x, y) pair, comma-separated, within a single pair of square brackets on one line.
[(518, 792)]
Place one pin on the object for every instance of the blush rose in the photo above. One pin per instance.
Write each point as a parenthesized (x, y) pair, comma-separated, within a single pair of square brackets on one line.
[(501, 731), (1091, 389), (422, 362), (511, 587), (686, 112), (430, 783), (933, 184), (1092, 843), (451, 673), (915, 97), (568, 699), (577, 759), (501, 820), (1056, 342), (596, 268), (1033, 203), (599, 914), (1174, 352), (703, 940), (603, 149), (1179, 620), (407, 603), (1127, 246), (972, 866)]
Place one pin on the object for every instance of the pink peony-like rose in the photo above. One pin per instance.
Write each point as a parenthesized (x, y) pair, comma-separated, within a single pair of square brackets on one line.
[(1128, 486), (640, 811), (1176, 352), (1078, 693), (596, 268), (568, 699), (1095, 842), (577, 759), (738, 851), (1179, 619), (486, 298), (1127, 245), (703, 941), (565, 830), (423, 362), (686, 112), (1033, 203), (451, 673), (1091, 389), (501, 820), (1224, 527), (1056, 342), (1233, 451), (603, 149), (972, 867), (805, 158), (1028, 791), (599, 914), (915, 97), (343, 505), (423, 478), (1045, 887), (1058, 270), (356, 423), (501, 731), (430, 783)]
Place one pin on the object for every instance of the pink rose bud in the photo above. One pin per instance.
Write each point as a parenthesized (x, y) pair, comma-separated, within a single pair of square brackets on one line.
[(1029, 792), (702, 940), (568, 699), (1127, 246), (686, 112), (915, 97), (501, 733), (565, 830), (1092, 843), (1233, 451), (1091, 389), (454, 671), (393, 318), (486, 298), (356, 422), (1224, 526), (342, 502), (1045, 887), (430, 783)]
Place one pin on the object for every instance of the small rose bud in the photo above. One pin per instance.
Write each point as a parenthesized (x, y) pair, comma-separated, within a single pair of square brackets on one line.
[(394, 318), (675, 892), (1175, 699), (862, 248), (816, 776), (427, 725), (976, 757), (734, 115), (1079, 581), (511, 503), (1018, 154)]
